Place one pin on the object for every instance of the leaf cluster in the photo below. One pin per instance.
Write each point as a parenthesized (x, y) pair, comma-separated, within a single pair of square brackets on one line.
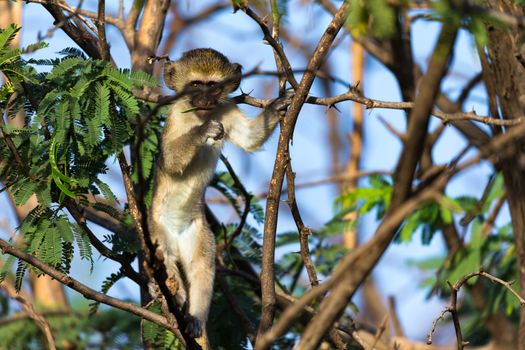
[(78, 116)]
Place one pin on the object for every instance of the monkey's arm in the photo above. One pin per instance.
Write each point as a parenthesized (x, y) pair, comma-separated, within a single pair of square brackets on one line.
[(250, 134), (177, 153)]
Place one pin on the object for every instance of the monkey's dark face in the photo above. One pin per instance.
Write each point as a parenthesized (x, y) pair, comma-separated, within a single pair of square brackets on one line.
[(205, 76), (205, 95)]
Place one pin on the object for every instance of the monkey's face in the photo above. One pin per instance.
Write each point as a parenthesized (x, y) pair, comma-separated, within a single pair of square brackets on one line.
[(205, 95), (205, 76)]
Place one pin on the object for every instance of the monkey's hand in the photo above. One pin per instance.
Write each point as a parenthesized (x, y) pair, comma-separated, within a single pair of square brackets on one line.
[(212, 131), (281, 103), (193, 326)]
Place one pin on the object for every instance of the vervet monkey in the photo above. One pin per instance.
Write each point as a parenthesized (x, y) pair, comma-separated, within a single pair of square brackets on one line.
[(196, 128)]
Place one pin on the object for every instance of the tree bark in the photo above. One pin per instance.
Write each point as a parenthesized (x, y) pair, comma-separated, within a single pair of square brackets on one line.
[(508, 76)]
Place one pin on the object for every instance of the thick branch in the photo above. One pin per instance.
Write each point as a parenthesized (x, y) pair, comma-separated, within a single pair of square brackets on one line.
[(86, 291), (80, 35), (272, 203), (148, 34)]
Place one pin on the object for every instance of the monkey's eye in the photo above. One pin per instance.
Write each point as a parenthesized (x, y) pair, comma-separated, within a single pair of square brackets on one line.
[(195, 83), (211, 83)]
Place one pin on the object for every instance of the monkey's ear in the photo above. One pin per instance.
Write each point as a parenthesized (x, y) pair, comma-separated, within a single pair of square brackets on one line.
[(236, 78), (170, 74)]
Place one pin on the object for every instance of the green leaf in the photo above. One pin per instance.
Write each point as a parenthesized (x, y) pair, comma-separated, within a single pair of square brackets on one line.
[(64, 228), (34, 47), (102, 103), (512, 303), (106, 191), (106, 286), (52, 247), (43, 194), (57, 175), (64, 67), (141, 79), (476, 241), (384, 18), (470, 263), (119, 77), (20, 273), (6, 267), (23, 190), (72, 52), (84, 246), (127, 99), (7, 35), (94, 130), (9, 56), (409, 227), (35, 241)]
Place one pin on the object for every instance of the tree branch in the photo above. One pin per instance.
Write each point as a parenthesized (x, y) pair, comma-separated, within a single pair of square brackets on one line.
[(272, 203), (80, 35), (124, 261), (86, 291), (453, 307)]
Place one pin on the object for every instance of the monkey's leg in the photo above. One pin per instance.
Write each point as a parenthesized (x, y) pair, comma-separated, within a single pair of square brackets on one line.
[(200, 271), (176, 282), (169, 253)]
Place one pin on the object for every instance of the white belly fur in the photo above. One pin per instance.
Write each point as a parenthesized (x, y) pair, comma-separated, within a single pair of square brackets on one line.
[(180, 210), (181, 236)]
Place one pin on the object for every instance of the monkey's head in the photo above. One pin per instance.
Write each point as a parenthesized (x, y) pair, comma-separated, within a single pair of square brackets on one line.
[(206, 75)]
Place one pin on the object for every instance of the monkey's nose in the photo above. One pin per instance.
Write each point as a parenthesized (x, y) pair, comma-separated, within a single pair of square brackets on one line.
[(204, 103)]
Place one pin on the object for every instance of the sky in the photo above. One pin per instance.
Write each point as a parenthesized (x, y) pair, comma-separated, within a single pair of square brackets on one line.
[(237, 36)]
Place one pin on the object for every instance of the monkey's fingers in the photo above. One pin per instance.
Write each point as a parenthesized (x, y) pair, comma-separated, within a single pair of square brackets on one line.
[(220, 134), (282, 103)]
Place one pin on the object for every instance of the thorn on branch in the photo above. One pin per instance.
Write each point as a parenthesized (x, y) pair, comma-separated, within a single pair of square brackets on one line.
[(332, 105), (246, 93)]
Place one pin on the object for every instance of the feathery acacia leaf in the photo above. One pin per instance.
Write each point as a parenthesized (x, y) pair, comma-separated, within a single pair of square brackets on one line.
[(84, 246), (7, 35)]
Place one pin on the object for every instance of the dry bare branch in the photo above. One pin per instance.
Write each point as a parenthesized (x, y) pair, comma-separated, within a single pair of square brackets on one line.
[(40, 321), (453, 307)]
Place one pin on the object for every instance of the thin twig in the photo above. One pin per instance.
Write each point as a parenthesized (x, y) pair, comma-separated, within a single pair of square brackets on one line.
[(380, 331), (453, 308), (434, 324), (77, 12), (275, 45), (124, 261), (247, 203), (304, 231), (18, 316), (491, 218), (236, 308), (40, 321), (393, 316), (153, 264), (372, 103)]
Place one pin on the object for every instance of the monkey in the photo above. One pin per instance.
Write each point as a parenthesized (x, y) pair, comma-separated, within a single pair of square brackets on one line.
[(196, 127)]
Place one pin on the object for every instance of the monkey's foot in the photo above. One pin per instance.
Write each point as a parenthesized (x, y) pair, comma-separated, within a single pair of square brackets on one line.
[(193, 326)]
